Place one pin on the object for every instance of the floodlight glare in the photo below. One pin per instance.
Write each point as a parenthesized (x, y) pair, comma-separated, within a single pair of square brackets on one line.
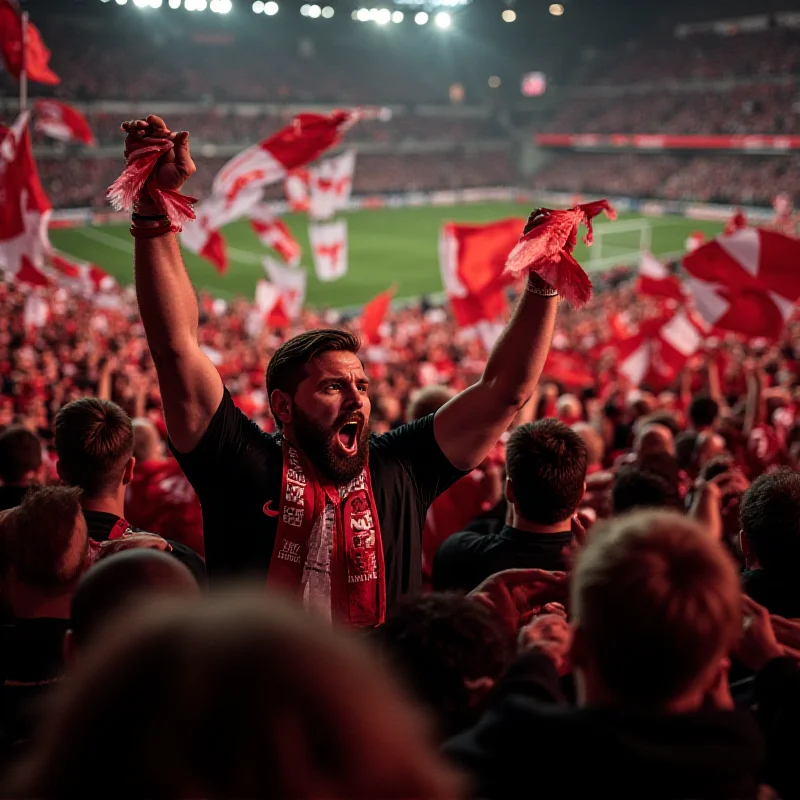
[(421, 17), (442, 20), (397, 16)]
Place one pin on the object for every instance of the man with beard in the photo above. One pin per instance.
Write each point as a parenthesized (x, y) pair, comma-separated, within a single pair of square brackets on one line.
[(320, 508)]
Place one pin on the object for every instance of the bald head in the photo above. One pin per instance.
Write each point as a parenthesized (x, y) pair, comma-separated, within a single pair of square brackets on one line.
[(146, 440), (118, 580), (654, 439), (428, 400), (595, 448)]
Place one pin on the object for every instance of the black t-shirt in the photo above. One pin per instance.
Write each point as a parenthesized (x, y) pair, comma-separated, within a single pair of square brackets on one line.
[(236, 470), (466, 559), (12, 496)]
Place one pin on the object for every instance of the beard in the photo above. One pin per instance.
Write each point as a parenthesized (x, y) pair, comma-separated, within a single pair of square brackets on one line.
[(322, 447)]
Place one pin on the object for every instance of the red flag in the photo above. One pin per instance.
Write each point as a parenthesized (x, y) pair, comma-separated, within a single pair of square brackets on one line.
[(63, 122), (274, 233), (37, 55), (661, 348), (329, 248), (655, 280), (736, 223), (290, 283), (330, 185), (472, 259), (296, 189), (746, 282), (89, 276), (25, 208), (569, 369), (305, 139), (546, 248), (373, 314), (270, 301)]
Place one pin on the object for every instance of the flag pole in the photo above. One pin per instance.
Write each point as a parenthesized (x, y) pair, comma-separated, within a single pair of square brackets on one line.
[(23, 71)]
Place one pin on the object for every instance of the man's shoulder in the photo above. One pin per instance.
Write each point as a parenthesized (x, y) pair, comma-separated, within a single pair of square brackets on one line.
[(468, 542)]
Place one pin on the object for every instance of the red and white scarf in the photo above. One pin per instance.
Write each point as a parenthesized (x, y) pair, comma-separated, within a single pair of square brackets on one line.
[(358, 578)]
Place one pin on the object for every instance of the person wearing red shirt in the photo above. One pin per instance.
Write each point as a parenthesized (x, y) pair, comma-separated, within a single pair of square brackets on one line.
[(159, 498)]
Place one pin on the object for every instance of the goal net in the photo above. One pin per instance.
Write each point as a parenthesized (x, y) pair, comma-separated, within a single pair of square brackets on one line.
[(619, 243)]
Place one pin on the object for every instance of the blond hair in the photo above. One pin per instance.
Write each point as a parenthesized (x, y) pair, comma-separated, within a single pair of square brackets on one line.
[(658, 602)]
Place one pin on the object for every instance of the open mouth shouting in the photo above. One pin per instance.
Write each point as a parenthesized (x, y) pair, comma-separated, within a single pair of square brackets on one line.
[(348, 436)]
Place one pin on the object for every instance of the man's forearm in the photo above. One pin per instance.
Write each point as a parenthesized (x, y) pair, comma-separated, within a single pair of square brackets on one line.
[(167, 301), (517, 360)]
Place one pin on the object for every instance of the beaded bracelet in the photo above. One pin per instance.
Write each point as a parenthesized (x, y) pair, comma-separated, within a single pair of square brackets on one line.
[(150, 231)]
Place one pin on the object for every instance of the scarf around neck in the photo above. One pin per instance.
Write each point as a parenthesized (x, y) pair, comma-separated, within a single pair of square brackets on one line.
[(358, 579)]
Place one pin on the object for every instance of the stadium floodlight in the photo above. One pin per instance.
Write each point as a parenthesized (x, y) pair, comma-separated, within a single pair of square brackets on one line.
[(224, 6), (258, 6), (556, 9), (494, 82), (271, 8), (362, 14), (201, 5), (304, 9), (121, 2), (314, 11), (327, 12), (397, 16), (155, 3), (174, 3), (442, 20), (509, 15), (421, 17), (373, 14), (104, 1), (140, 3), (383, 17)]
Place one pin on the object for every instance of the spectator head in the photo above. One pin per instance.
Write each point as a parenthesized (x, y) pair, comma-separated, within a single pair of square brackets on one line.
[(20, 457), (569, 409), (317, 391), (428, 400), (770, 518), (709, 446), (656, 608), (703, 413), (652, 439), (451, 651), (685, 443), (229, 689), (595, 448), (94, 443), (146, 441), (141, 574), (46, 545), (636, 487), (546, 468)]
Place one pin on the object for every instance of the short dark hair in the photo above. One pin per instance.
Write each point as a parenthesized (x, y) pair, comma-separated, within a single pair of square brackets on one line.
[(43, 547), (546, 463), (635, 487), (703, 410), (439, 642), (116, 581), (94, 442), (286, 368), (770, 517), (685, 444), (20, 453)]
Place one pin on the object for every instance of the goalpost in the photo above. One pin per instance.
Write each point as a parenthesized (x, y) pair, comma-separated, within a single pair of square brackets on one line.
[(620, 242)]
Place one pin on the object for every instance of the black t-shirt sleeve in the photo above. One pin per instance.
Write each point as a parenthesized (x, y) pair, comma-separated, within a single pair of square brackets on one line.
[(415, 447), (227, 448)]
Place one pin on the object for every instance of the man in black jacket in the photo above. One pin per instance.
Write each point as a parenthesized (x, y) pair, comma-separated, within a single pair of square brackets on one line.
[(656, 611), (546, 469)]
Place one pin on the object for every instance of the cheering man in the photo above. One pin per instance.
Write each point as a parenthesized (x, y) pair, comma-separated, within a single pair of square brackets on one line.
[(321, 508)]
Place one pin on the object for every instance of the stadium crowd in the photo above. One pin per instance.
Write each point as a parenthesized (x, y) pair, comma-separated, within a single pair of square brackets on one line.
[(749, 180)]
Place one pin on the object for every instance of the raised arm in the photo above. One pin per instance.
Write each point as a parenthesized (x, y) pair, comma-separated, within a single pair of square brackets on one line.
[(191, 388), (468, 426)]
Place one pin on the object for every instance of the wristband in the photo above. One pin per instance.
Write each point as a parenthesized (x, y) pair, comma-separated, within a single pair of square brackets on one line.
[(537, 286), (149, 231), (137, 217)]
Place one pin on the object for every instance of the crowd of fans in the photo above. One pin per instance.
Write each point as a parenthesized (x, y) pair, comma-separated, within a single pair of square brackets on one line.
[(716, 179)]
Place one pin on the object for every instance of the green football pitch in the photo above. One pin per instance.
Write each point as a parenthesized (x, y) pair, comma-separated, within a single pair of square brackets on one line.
[(386, 246)]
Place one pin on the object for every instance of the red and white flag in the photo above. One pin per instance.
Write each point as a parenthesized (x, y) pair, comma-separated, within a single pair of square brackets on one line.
[(747, 282), (84, 275), (329, 247), (290, 283), (658, 352), (273, 232), (694, 241), (330, 185), (472, 259), (37, 56), (63, 122), (373, 314), (295, 188), (202, 235), (304, 140), (270, 303), (24, 207), (656, 281), (36, 313)]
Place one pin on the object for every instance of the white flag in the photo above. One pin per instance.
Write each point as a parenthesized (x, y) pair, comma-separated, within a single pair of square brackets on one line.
[(330, 185), (329, 244), (290, 283)]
